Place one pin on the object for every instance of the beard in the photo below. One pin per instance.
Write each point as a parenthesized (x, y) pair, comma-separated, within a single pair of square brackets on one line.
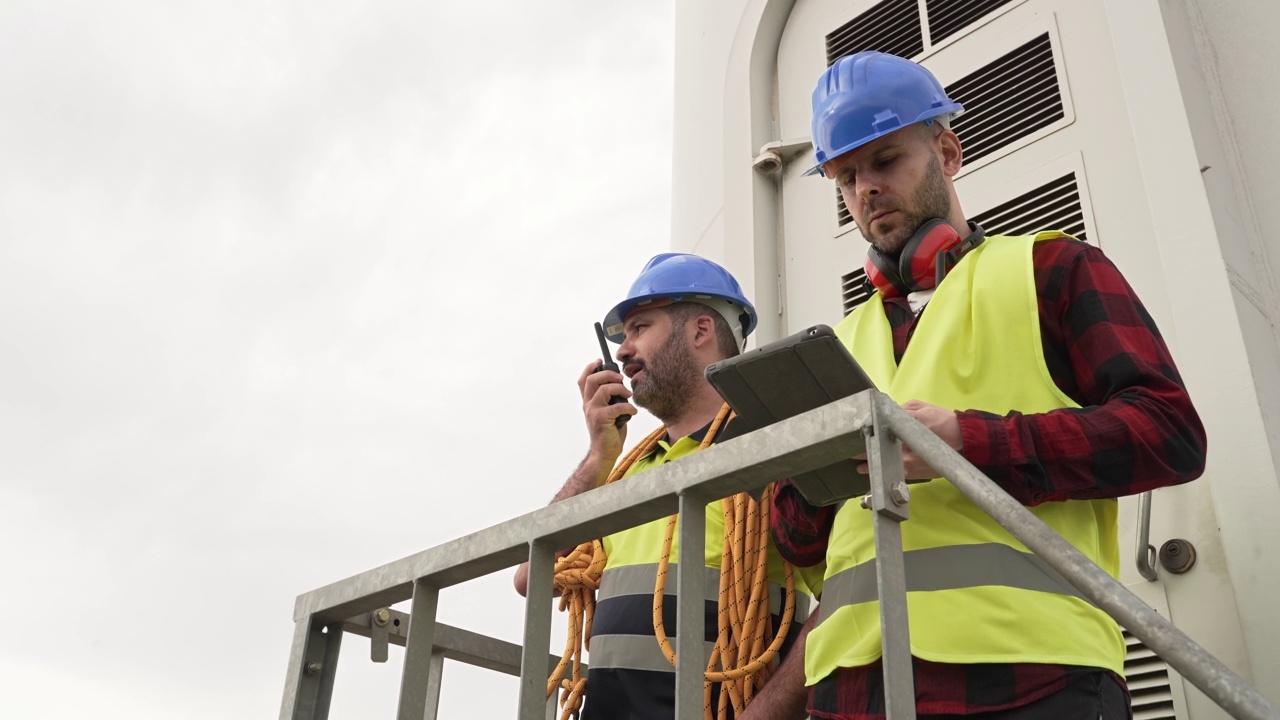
[(671, 377), (929, 200)]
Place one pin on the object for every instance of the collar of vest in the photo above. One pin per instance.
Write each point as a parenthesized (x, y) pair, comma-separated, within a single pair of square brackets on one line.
[(695, 436)]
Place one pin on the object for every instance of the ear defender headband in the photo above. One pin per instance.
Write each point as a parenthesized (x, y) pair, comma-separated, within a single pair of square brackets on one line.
[(926, 258)]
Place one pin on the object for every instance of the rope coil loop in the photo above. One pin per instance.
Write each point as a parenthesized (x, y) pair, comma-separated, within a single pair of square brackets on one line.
[(746, 644)]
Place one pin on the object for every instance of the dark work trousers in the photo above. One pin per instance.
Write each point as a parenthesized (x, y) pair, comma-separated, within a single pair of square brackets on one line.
[(1095, 696)]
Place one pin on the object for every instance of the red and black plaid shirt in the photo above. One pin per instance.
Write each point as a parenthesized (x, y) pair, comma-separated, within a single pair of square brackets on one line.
[(1135, 430)]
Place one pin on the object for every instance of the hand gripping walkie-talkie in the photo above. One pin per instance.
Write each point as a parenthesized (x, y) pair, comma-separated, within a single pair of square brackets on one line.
[(607, 363)]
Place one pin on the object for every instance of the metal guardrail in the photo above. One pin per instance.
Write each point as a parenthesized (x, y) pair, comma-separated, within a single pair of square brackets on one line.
[(806, 442)]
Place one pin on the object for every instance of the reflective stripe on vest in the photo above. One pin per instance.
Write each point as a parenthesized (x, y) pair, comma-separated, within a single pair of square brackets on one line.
[(949, 568), (631, 652), (637, 651), (975, 594), (629, 577), (640, 580)]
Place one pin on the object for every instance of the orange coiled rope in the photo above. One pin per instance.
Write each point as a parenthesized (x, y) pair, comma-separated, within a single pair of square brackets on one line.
[(745, 645)]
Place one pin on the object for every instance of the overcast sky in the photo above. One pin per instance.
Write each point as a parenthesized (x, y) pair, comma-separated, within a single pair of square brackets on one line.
[(289, 290)]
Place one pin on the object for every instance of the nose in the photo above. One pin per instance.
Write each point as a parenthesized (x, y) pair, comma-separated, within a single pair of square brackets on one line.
[(866, 185)]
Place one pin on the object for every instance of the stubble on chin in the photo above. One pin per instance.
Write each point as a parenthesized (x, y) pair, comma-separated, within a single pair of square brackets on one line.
[(931, 200), (889, 243)]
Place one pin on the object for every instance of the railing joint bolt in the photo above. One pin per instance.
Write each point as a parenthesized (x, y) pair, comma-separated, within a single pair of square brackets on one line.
[(900, 493)]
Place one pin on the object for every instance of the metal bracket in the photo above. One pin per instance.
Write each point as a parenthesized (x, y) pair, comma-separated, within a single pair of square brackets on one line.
[(1146, 553), (889, 493), (773, 155), (379, 634)]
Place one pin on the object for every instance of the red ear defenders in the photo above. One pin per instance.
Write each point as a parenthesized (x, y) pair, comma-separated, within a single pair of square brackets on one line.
[(932, 251)]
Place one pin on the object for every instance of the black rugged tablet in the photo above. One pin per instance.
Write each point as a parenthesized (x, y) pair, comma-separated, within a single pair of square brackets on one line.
[(785, 378)]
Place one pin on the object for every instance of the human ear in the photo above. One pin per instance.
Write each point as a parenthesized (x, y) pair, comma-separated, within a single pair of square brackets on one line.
[(704, 331), (949, 151)]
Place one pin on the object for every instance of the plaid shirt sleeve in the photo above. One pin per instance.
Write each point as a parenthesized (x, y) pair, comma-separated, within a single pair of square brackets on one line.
[(799, 529), (1136, 428)]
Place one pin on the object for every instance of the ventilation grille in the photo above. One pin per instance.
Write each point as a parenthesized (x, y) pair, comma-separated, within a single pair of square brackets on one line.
[(1052, 206), (842, 211), (1008, 99), (854, 289), (1148, 678), (892, 26), (948, 17)]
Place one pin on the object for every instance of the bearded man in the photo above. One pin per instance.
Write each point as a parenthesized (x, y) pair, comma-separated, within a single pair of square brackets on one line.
[(682, 313)]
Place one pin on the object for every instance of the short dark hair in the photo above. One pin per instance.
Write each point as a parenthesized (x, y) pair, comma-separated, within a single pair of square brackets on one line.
[(683, 312)]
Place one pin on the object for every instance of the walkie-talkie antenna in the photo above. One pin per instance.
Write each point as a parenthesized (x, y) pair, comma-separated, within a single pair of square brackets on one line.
[(607, 363)]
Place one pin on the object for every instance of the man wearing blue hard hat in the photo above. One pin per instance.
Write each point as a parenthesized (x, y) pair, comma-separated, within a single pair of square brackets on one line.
[(1034, 359), (681, 314)]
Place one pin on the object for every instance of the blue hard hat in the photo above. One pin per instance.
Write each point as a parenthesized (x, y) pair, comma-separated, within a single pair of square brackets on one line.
[(868, 95), (679, 277)]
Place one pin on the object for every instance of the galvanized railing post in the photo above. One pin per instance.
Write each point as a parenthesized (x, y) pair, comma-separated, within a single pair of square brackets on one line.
[(690, 645), (313, 666), (435, 681), (418, 650), (888, 500), (537, 631)]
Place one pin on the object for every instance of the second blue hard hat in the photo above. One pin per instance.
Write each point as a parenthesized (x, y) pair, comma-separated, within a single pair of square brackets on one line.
[(680, 277), (868, 95)]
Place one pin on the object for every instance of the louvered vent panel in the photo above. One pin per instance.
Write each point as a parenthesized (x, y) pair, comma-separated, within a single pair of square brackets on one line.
[(1148, 678), (892, 26), (1052, 206), (842, 210), (1008, 99), (854, 289), (948, 17)]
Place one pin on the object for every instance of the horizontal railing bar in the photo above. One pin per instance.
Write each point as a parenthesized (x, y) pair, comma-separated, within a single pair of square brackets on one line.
[(1185, 655), (806, 442), (457, 644)]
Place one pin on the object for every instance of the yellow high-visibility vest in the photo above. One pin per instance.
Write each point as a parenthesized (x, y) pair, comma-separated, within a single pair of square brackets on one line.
[(975, 594), (625, 597)]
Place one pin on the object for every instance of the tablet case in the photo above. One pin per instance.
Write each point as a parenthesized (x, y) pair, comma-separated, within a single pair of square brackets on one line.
[(785, 378)]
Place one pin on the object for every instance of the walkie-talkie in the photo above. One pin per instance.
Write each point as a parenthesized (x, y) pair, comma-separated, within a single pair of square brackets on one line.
[(608, 364)]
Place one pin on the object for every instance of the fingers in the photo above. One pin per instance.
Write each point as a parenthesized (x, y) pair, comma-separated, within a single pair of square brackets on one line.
[(618, 409), (599, 387), (913, 468), (940, 421), (593, 378), (587, 372)]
